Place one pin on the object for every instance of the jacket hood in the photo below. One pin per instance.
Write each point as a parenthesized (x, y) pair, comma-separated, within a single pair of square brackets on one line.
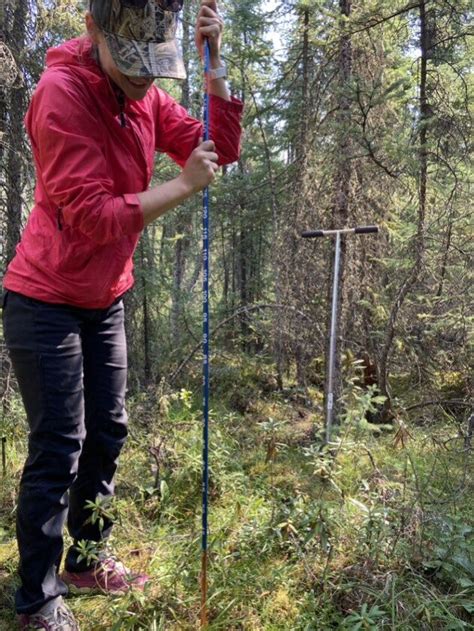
[(78, 56), (77, 53)]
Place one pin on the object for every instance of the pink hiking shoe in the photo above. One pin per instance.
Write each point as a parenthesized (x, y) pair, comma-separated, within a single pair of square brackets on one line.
[(54, 616), (107, 576)]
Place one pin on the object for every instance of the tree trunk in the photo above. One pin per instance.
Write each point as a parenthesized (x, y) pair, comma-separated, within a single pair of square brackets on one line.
[(14, 159), (243, 239), (6, 76), (299, 344), (183, 221), (341, 194), (426, 39), (147, 369)]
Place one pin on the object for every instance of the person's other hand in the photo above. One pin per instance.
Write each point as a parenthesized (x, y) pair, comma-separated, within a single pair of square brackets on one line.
[(201, 167), (209, 25)]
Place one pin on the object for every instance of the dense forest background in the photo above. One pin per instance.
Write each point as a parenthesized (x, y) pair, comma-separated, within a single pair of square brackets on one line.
[(356, 112)]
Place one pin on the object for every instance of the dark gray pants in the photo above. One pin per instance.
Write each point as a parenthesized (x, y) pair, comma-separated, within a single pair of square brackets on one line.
[(71, 367)]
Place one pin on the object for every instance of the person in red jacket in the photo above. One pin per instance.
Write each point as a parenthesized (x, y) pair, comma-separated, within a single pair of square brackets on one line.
[(95, 122)]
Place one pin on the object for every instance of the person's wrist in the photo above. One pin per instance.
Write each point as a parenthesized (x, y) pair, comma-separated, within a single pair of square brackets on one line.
[(183, 186), (217, 69), (216, 61)]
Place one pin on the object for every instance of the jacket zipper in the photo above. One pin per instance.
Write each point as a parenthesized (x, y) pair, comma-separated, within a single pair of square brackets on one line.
[(121, 102), (60, 218), (136, 135), (140, 145)]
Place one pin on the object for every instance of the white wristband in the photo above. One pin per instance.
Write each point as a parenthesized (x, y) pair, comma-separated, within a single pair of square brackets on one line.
[(217, 73)]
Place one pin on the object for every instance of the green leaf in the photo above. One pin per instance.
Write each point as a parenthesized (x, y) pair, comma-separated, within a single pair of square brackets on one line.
[(164, 490), (360, 505)]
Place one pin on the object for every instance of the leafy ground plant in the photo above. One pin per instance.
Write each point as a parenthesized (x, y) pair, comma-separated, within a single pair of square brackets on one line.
[(371, 535)]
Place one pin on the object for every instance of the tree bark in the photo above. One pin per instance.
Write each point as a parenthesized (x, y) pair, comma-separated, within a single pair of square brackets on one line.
[(182, 227), (341, 196), (299, 343), (426, 38), (147, 368), (14, 177)]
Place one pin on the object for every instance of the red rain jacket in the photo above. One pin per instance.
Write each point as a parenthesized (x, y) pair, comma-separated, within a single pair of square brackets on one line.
[(79, 241)]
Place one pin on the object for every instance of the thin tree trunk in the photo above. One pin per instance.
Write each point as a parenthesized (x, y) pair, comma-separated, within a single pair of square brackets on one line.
[(243, 274), (6, 78), (299, 345), (145, 308), (243, 238), (278, 347), (342, 185), (14, 179), (182, 218), (444, 265), (411, 279)]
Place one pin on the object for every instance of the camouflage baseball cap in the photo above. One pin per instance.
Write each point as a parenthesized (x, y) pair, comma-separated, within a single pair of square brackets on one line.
[(141, 36)]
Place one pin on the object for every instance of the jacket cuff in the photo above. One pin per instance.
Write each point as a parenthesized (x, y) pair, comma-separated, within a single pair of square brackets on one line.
[(132, 218), (222, 106)]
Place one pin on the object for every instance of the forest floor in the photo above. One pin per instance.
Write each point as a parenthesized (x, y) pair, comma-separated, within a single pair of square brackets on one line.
[(374, 534)]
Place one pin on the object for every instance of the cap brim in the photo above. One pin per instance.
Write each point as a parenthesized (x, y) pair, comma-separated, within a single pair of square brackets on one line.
[(146, 59)]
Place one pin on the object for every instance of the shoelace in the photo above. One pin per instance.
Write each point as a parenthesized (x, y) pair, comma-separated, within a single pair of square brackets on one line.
[(109, 563), (63, 616), (56, 622), (110, 567)]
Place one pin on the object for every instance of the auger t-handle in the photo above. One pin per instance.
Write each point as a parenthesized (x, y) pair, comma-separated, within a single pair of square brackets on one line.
[(311, 234)]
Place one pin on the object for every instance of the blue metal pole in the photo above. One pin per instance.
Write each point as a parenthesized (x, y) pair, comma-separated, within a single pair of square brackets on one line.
[(206, 352)]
